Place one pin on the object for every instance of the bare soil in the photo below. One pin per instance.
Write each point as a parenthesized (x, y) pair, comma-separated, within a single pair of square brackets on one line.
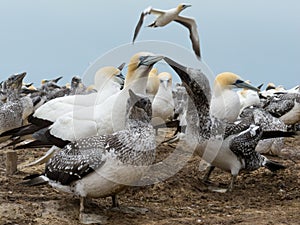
[(259, 197)]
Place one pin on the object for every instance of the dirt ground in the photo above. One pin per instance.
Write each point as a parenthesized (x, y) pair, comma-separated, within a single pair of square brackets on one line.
[(259, 197)]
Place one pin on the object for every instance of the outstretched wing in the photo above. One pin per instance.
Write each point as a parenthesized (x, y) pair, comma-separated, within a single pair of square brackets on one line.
[(192, 26), (147, 11)]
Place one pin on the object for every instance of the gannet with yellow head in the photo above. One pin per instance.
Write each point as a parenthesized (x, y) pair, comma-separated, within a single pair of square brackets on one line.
[(109, 116), (107, 81), (165, 17), (225, 103)]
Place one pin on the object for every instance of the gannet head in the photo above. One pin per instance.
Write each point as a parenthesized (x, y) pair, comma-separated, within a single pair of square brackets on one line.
[(228, 80), (75, 82), (153, 82), (107, 74), (15, 81), (183, 6), (270, 86), (139, 107), (140, 65), (165, 80)]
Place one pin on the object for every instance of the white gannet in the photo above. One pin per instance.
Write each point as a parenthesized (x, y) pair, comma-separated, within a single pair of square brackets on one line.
[(248, 98), (102, 166), (103, 118), (163, 103), (225, 103), (167, 16), (152, 84), (228, 146), (107, 81)]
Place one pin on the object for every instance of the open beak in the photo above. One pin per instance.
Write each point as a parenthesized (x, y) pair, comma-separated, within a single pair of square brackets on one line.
[(243, 84)]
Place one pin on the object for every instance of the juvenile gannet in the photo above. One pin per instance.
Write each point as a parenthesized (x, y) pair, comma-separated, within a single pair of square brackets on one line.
[(228, 146), (152, 84), (167, 16), (15, 111), (285, 106), (102, 166), (272, 146), (163, 103), (103, 118), (225, 103)]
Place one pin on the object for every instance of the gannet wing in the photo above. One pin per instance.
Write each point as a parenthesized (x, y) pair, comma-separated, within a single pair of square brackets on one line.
[(146, 12), (190, 23), (76, 160)]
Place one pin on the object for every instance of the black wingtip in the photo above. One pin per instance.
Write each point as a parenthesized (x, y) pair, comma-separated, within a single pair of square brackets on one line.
[(274, 166), (34, 180), (277, 134)]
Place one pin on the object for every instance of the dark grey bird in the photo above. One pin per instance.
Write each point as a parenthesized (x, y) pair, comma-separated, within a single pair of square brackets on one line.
[(228, 146)]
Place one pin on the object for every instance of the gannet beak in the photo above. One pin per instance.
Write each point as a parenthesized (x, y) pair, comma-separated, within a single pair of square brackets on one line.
[(20, 76), (57, 79), (243, 84), (120, 78), (150, 60), (165, 83), (186, 6)]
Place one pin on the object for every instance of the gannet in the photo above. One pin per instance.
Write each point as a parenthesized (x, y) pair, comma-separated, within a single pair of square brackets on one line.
[(163, 103), (248, 97), (152, 84), (272, 146), (225, 103), (102, 166), (107, 81), (228, 146), (15, 111), (103, 118), (285, 106), (167, 16)]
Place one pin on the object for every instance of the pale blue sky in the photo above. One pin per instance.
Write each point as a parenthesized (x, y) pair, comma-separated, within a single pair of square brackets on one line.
[(258, 40)]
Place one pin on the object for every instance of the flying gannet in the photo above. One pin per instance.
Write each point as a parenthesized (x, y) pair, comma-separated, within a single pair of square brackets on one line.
[(167, 16)]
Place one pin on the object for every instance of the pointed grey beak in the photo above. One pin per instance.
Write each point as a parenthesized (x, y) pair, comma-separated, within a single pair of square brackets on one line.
[(187, 6), (243, 84), (120, 78), (150, 60), (165, 83)]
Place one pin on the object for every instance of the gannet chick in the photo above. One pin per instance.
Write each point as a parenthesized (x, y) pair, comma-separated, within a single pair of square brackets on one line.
[(167, 16), (102, 166), (163, 103), (152, 84), (225, 103), (228, 146), (285, 106), (15, 111)]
